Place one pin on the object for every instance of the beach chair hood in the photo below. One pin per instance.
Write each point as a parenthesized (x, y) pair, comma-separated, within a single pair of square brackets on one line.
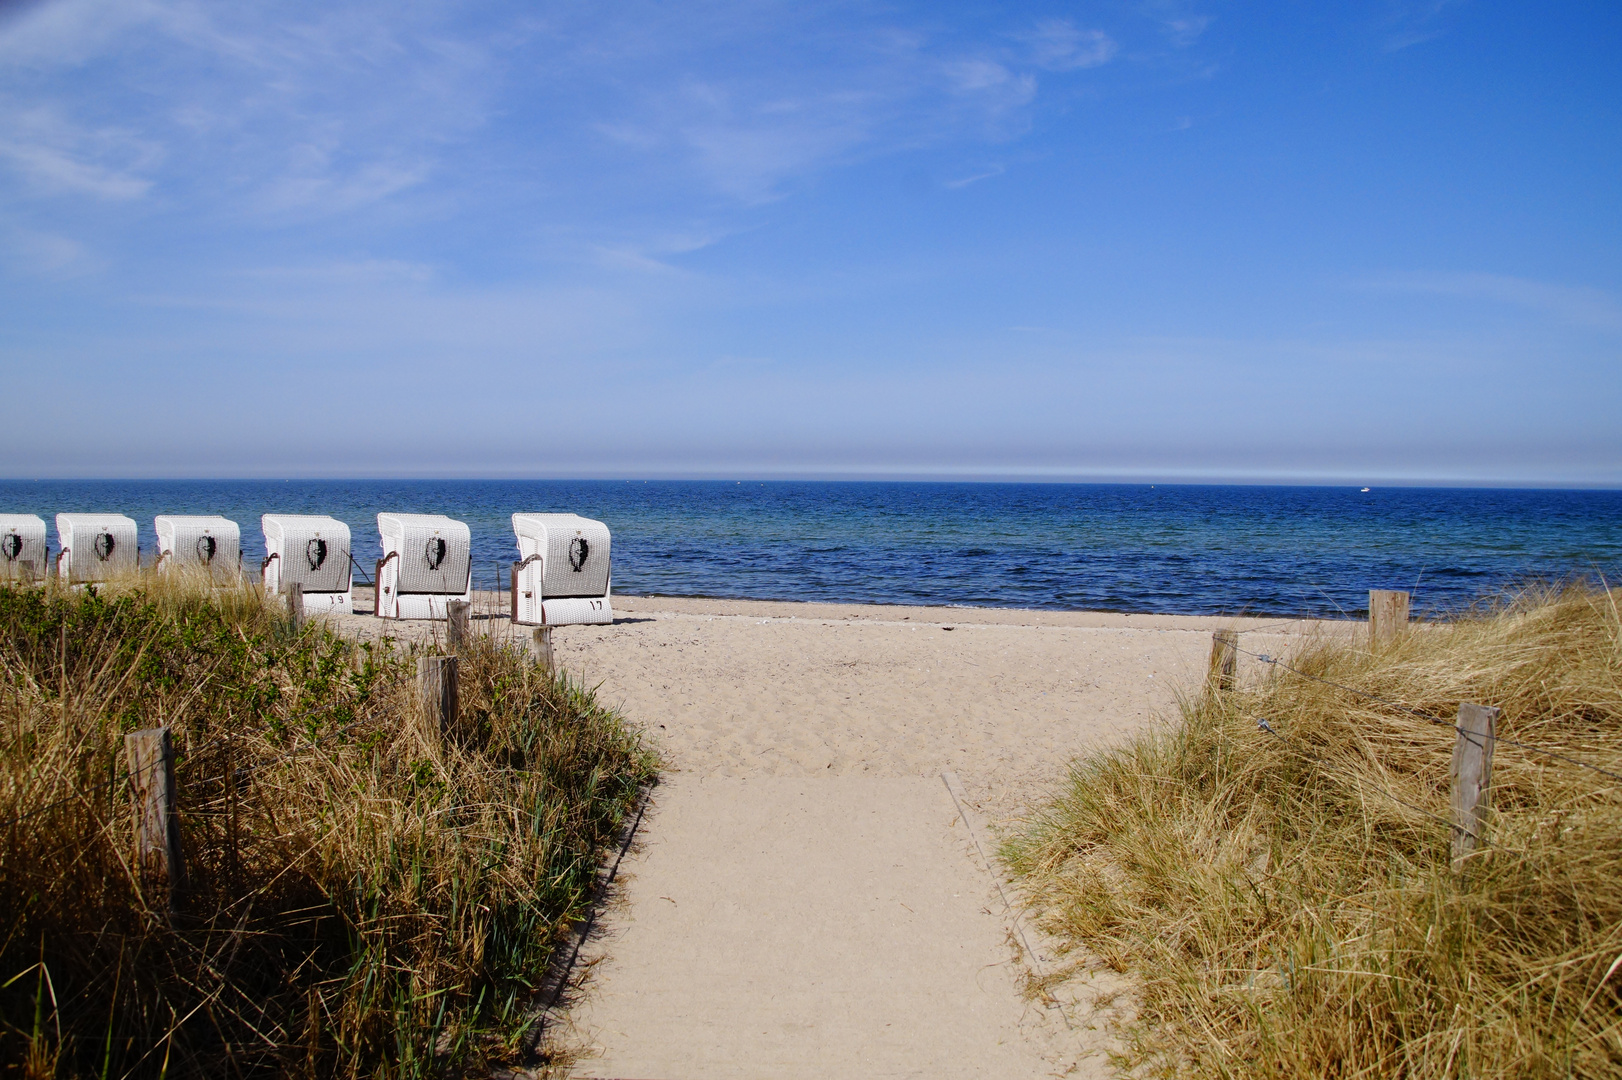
[(199, 544), (96, 547), (308, 550), (22, 546)]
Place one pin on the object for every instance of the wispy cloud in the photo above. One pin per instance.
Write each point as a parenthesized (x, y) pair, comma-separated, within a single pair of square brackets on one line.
[(1573, 304), (310, 110), (58, 157), (853, 85), (1412, 24), (1060, 45), (975, 178), (34, 254), (1181, 25), (246, 110)]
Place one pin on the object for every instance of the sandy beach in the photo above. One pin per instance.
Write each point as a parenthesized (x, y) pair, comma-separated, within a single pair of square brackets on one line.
[(749, 688), (806, 897)]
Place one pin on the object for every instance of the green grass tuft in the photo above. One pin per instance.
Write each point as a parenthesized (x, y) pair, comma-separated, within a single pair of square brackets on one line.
[(1287, 906), (362, 899)]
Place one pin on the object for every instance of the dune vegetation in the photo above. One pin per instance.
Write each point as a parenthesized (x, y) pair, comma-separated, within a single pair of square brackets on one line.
[(361, 897), (1285, 900)]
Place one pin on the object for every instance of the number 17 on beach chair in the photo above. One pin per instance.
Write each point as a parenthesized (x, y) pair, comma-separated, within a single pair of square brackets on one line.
[(562, 574)]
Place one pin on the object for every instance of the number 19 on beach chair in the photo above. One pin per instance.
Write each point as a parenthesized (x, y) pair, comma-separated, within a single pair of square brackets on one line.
[(313, 552)]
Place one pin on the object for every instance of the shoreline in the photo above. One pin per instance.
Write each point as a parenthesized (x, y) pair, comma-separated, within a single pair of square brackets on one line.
[(488, 603)]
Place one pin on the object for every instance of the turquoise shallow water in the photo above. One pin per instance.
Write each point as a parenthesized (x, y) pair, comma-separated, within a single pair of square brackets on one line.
[(1116, 547)]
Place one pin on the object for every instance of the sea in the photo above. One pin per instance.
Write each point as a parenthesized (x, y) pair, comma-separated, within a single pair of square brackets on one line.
[(1163, 548)]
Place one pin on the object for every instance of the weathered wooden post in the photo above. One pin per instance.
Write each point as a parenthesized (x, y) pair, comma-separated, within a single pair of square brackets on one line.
[(1224, 659), (543, 646), (151, 758), (295, 603), (1388, 616), (1471, 774), (436, 681), (456, 616)]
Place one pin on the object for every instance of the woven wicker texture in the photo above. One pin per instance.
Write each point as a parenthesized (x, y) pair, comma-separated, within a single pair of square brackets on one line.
[(98, 546), (307, 550), (435, 552), (22, 539), (199, 544), (574, 553)]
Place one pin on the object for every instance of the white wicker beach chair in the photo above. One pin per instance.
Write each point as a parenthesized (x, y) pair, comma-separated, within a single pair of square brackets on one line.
[(562, 574), (427, 562), (206, 546), (96, 547), (22, 547), (312, 551)]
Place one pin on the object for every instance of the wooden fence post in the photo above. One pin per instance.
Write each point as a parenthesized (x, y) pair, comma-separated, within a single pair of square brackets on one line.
[(1471, 774), (436, 680), (543, 646), (1388, 616), (295, 603), (151, 757), (456, 615), (1224, 659)]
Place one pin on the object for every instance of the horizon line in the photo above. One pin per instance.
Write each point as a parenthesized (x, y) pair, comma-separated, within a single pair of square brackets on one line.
[(878, 477)]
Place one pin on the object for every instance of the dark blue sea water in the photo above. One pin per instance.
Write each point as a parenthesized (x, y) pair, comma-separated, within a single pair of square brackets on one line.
[(1115, 547)]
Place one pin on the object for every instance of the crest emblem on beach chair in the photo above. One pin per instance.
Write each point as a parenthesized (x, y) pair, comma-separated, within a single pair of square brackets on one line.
[(104, 545), (579, 552), (315, 553), (207, 548), (434, 552), (12, 546)]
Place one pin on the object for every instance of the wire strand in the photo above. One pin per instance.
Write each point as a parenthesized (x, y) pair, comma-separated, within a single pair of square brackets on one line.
[(1263, 725), (1427, 717)]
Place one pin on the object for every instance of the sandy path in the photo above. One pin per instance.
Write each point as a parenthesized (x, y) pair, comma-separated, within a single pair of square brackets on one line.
[(808, 926), (804, 899)]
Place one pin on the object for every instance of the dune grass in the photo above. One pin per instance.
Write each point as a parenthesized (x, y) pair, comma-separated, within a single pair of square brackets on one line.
[(362, 898), (1286, 903)]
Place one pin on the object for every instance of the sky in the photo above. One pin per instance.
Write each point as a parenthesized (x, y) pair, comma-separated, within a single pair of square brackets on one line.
[(1157, 240)]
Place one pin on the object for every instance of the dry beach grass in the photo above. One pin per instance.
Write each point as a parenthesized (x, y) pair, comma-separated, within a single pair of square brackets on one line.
[(1286, 899), (361, 899)]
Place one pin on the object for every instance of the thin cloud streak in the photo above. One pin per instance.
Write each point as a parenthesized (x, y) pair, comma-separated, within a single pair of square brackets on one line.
[(1575, 305)]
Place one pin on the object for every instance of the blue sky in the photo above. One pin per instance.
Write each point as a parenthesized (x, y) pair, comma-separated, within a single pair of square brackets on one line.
[(1207, 241)]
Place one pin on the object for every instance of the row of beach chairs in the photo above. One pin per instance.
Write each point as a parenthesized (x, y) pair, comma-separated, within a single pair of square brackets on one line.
[(561, 576)]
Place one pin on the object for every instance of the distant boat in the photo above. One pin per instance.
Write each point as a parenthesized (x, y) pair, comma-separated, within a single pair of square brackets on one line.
[(1365, 489)]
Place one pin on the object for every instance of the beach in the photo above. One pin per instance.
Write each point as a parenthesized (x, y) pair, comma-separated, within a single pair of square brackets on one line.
[(805, 894), (749, 688)]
